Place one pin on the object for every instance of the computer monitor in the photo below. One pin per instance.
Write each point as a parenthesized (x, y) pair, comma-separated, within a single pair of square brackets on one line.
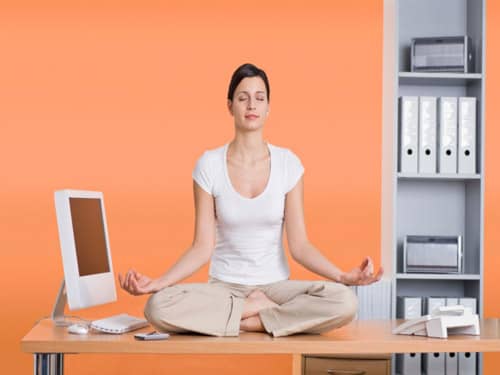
[(83, 235)]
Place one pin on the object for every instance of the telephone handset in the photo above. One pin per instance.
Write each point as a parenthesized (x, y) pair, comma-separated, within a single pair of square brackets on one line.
[(443, 320)]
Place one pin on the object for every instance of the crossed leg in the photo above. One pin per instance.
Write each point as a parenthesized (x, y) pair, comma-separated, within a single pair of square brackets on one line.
[(255, 302), (281, 308)]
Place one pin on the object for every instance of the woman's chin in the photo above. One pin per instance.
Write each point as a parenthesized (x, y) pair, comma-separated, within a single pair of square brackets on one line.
[(249, 126)]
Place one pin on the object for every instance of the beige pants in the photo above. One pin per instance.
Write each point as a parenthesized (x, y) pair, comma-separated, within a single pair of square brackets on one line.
[(215, 308)]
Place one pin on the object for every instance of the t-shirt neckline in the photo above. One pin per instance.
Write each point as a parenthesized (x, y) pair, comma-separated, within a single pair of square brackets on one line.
[(228, 180)]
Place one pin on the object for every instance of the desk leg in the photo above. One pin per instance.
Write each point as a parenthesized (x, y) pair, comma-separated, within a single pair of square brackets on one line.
[(48, 363), (297, 364)]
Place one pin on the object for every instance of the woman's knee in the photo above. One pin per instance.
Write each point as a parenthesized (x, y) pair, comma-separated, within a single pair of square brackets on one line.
[(157, 318), (157, 308), (350, 304), (344, 301), (151, 309)]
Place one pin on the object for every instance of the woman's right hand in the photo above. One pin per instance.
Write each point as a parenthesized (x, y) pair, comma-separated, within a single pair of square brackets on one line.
[(137, 284)]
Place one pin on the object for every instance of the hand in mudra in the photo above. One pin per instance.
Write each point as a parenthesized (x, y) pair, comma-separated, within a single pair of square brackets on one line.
[(137, 284), (362, 275)]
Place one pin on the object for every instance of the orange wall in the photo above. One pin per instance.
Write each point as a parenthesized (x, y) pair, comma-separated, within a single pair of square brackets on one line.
[(123, 98)]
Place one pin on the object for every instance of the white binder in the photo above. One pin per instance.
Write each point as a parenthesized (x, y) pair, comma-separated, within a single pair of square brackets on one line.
[(410, 307), (451, 363), (448, 132), (432, 303), (467, 135), (467, 363), (434, 363), (409, 363), (427, 140), (408, 148), (470, 303)]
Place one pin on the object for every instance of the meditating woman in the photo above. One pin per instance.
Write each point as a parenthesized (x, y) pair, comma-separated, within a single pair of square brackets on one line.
[(245, 193)]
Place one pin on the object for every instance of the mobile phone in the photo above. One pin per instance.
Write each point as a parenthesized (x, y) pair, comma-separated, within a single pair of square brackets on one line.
[(152, 336)]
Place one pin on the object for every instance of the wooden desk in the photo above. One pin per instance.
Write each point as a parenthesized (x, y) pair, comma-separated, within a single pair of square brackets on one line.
[(49, 343)]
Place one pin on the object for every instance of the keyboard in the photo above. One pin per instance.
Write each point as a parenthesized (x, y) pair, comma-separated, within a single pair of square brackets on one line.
[(119, 324)]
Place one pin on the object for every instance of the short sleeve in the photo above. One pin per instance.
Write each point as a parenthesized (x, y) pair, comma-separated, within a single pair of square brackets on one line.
[(294, 170), (202, 173)]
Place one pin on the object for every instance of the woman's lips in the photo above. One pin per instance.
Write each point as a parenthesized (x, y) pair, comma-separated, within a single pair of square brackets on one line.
[(251, 117)]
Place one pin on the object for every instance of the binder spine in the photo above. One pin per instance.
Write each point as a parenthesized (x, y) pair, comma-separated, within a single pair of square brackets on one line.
[(467, 135), (427, 162), (448, 125), (408, 148)]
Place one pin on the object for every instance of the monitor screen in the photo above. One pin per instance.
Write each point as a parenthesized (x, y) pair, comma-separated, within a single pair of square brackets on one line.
[(90, 240)]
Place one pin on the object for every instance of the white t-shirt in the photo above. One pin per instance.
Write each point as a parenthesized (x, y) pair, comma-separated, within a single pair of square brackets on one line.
[(249, 231)]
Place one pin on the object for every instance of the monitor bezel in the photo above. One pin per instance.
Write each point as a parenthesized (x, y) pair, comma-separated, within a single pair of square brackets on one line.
[(89, 290)]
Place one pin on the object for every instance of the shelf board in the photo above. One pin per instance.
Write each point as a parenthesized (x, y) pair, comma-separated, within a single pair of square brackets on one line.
[(438, 78), (434, 276), (438, 176)]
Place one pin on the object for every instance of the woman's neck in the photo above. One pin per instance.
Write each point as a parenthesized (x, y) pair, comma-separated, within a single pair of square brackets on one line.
[(248, 148)]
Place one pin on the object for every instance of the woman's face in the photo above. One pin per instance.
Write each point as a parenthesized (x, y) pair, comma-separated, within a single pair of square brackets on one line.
[(249, 106)]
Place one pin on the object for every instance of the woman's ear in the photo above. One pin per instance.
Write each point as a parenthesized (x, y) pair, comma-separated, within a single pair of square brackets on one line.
[(230, 106)]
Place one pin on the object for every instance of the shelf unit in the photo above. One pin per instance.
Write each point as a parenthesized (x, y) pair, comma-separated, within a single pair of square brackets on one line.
[(432, 204)]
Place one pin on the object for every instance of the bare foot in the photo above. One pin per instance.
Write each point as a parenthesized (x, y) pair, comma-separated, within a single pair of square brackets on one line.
[(256, 301), (252, 324)]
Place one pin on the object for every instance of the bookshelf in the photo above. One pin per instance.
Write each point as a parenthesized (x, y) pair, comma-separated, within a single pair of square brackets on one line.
[(432, 204)]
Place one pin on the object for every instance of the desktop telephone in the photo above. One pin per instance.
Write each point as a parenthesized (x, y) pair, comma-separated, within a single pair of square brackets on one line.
[(442, 321)]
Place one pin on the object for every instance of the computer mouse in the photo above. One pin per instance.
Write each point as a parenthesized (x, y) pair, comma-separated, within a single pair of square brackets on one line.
[(78, 329)]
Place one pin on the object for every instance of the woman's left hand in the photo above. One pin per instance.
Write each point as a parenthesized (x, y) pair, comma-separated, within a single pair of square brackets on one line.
[(362, 275)]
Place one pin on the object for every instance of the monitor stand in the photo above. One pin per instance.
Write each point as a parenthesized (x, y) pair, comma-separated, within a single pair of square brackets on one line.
[(58, 316)]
